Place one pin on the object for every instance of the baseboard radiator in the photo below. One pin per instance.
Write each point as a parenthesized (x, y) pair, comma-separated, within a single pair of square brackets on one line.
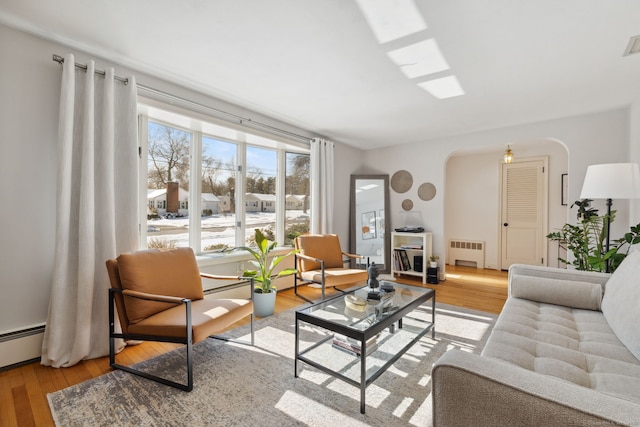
[(464, 252), (20, 346)]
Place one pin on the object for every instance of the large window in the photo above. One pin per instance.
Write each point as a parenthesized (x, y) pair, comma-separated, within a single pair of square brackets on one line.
[(219, 167), (209, 186)]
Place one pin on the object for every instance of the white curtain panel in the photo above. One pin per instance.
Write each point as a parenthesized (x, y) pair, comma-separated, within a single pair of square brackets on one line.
[(322, 186), (97, 210)]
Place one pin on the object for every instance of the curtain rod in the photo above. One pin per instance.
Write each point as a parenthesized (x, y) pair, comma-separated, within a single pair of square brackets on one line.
[(243, 120), (60, 60)]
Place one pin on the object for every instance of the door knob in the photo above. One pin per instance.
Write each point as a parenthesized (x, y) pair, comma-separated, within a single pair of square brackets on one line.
[(505, 224)]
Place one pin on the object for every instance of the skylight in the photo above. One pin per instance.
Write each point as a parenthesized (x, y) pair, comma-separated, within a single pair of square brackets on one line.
[(419, 59), (445, 87), (391, 20)]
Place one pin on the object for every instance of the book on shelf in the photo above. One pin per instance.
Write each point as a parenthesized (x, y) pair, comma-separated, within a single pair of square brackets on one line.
[(354, 350), (353, 341), (413, 247), (402, 258)]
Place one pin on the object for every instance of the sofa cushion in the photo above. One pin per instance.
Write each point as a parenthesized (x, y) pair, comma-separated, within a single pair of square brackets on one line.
[(555, 291), (620, 302), (572, 345), (163, 272)]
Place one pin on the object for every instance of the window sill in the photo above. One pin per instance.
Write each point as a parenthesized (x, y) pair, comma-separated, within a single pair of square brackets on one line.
[(218, 258)]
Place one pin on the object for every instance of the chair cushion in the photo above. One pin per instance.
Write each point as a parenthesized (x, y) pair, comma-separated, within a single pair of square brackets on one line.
[(620, 302), (336, 277), (171, 272), (322, 246), (209, 316)]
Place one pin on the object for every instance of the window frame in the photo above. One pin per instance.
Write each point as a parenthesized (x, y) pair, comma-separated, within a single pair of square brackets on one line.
[(148, 111)]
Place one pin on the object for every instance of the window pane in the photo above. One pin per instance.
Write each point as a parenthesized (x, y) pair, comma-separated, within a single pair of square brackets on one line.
[(297, 196), (218, 223), (167, 187), (260, 199)]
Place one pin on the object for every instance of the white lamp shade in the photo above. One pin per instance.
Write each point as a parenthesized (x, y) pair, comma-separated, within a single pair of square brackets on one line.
[(611, 181)]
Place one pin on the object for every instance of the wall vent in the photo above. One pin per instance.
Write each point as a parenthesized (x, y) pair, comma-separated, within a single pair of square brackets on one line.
[(466, 251), (633, 46)]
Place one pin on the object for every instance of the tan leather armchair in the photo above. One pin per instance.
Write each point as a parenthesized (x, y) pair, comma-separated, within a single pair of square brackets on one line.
[(159, 297), (320, 260)]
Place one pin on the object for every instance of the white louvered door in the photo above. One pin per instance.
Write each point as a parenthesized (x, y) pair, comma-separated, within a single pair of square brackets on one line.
[(523, 213)]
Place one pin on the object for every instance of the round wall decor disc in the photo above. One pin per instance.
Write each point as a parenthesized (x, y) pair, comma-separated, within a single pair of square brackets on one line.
[(401, 181), (407, 204), (427, 191)]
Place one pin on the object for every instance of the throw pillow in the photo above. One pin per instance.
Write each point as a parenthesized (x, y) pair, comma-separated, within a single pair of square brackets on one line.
[(620, 302), (568, 293)]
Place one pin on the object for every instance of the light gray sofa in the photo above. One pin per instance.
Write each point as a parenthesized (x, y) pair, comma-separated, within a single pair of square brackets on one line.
[(564, 351)]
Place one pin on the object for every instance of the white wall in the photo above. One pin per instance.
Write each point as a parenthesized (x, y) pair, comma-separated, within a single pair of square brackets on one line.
[(348, 160), (472, 200), (589, 139), (30, 87)]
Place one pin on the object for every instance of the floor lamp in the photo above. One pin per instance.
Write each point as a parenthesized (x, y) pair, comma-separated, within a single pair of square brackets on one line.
[(611, 181)]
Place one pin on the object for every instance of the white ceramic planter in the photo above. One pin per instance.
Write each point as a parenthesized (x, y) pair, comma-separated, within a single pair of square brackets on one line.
[(264, 304)]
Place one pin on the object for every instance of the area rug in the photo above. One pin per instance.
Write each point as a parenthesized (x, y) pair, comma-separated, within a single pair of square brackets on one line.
[(240, 385)]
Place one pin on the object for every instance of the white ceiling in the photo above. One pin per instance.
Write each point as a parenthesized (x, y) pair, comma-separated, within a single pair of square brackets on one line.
[(317, 64)]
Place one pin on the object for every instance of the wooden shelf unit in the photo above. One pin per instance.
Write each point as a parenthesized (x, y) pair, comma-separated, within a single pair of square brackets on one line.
[(414, 244)]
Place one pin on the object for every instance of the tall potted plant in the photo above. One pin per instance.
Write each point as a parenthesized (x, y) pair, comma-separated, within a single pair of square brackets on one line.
[(264, 296), (586, 240)]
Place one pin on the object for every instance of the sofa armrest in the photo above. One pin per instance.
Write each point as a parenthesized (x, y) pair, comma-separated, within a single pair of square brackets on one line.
[(468, 389)]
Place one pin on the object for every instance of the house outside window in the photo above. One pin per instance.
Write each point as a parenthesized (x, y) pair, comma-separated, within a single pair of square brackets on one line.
[(233, 180)]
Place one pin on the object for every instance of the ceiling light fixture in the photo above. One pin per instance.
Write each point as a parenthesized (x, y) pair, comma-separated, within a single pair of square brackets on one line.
[(508, 155)]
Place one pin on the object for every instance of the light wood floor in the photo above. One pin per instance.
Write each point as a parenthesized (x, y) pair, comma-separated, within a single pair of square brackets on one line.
[(23, 390)]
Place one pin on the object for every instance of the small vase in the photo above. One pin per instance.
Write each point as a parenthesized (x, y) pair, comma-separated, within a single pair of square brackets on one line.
[(264, 304), (433, 264)]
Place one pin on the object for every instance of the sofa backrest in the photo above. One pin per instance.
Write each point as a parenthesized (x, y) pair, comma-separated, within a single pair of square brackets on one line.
[(621, 300)]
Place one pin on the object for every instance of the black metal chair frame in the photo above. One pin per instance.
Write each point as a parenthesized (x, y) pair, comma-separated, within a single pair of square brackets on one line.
[(304, 281), (188, 340)]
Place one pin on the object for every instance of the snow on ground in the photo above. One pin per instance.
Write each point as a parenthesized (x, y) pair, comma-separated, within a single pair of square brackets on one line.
[(215, 229)]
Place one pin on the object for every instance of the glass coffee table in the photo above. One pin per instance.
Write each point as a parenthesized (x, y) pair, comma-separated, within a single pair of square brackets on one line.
[(357, 329)]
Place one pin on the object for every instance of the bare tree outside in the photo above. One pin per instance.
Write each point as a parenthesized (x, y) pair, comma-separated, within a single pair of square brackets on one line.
[(168, 156), (170, 208)]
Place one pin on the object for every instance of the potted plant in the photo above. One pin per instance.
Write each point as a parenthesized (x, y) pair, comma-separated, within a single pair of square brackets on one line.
[(264, 293), (585, 241), (433, 261)]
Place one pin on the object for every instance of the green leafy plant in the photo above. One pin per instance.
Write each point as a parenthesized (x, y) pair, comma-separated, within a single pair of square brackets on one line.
[(586, 241), (263, 274)]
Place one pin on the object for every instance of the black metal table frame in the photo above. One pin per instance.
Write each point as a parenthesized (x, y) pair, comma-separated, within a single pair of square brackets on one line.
[(362, 336)]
